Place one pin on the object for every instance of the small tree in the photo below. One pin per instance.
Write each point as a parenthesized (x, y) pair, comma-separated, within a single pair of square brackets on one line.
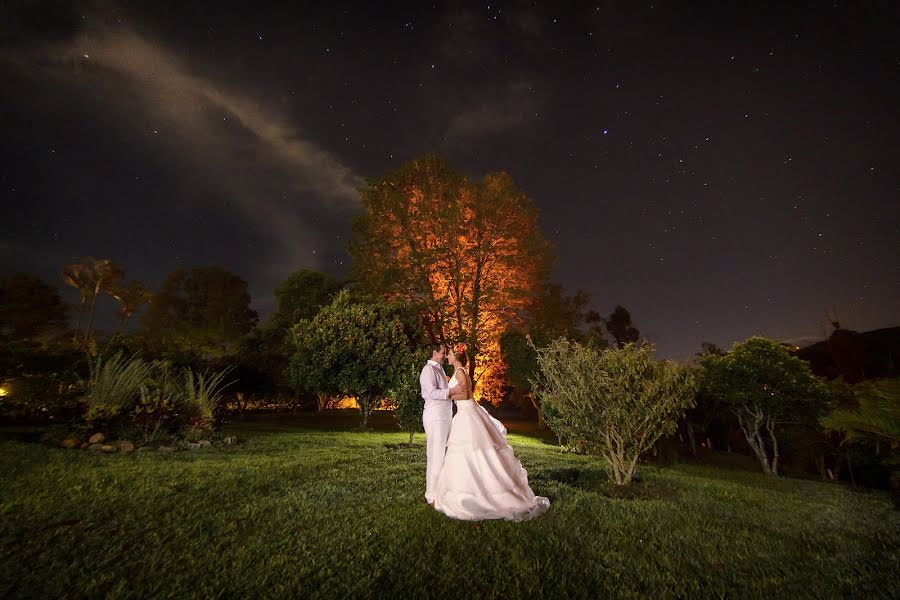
[(357, 348), (765, 387), (407, 396), (615, 402)]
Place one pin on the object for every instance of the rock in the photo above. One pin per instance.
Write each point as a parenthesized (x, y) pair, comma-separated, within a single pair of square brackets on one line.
[(84, 445), (145, 448), (125, 446), (95, 447), (97, 438), (193, 445), (108, 448), (218, 444), (205, 443), (230, 440), (71, 442), (167, 448)]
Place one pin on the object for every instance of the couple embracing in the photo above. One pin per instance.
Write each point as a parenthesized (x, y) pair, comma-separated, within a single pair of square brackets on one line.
[(471, 473)]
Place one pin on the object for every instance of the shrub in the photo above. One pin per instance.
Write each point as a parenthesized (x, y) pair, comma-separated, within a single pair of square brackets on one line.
[(202, 395), (407, 397), (159, 396), (616, 403), (114, 385)]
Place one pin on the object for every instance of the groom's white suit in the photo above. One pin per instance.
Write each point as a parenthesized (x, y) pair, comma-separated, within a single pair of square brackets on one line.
[(436, 419)]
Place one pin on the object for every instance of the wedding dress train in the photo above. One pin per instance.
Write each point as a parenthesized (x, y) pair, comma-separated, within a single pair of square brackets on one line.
[(481, 477)]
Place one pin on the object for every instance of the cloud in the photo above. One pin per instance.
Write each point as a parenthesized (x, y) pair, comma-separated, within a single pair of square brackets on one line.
[(512, 107), (252, 153)]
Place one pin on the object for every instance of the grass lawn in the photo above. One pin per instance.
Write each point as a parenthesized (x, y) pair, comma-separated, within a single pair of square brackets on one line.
[(296, 509)]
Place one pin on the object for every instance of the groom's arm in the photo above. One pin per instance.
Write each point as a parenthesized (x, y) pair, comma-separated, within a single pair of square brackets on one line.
[(430, 388)]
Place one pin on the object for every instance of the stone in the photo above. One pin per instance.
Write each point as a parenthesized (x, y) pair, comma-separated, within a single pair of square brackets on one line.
[(108, 448), (97, 438), (218, 444), (125, 446), (84, 445), (167, 448), (71, 442), (205, 443), (193, 445), (145, 448), (230, 440), (95, 447)]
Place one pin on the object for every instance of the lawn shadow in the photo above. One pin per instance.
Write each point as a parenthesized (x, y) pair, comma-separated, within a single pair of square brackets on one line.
[(404, 446), (597, 481)]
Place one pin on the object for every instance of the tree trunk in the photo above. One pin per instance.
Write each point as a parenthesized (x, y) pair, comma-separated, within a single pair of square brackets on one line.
[(850, 472), (770, 425), (90, 324), (753, 439), (820, 465), (80, 315), (365, 408), (411, 438), (542, 424), (690, 434), (321, 400)]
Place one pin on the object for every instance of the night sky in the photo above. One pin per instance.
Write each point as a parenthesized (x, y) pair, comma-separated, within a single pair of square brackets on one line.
[(721, 169)]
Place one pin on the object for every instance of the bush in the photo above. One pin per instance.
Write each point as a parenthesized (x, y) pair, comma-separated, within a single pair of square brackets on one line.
[(407, 396), (114, 385), (203, 395), (41, 382), (616, 403)]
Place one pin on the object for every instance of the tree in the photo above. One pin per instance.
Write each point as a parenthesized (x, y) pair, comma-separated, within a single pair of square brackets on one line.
[(301, 296), (468, 257), (620, 327), (130, 296), (356, 348), (203, 311), (553, 315), (30, 308), (706, 408), (616, 402), (765, 387), (407, 396)]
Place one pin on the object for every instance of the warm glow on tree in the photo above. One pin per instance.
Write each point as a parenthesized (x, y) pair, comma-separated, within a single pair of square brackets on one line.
[(467, 255)]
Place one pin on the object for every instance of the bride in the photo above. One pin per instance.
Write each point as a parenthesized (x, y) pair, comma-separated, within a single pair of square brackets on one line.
[(481, 478)]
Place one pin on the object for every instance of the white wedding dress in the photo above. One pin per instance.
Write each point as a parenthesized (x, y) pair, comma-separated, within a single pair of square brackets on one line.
[(481, 477)]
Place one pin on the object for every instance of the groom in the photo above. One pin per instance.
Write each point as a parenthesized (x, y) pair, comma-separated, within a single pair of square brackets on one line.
[(436, 416)]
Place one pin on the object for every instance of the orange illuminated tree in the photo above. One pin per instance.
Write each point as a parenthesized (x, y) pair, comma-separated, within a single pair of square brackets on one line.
[(467, 255)]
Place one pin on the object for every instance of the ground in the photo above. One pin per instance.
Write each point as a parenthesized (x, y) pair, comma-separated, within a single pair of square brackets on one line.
[(307, 507)]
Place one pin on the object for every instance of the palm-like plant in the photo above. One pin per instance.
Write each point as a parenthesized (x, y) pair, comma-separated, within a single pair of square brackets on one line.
[(130, 296), (202, 393), (103, 274), (76, 275), (114, 383), (876, 419), (91, 276)]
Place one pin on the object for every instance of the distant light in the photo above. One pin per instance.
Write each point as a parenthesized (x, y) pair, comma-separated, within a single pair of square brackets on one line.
[(3, 392), (605, 131)]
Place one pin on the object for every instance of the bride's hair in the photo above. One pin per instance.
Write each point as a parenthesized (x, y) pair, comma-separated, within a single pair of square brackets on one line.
[(461, 357)]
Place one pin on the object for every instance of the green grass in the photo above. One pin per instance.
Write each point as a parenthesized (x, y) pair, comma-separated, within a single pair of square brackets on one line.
[(313, 512)]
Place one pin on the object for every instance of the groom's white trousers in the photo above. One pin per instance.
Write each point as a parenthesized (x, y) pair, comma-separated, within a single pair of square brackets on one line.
[(436, 434)]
